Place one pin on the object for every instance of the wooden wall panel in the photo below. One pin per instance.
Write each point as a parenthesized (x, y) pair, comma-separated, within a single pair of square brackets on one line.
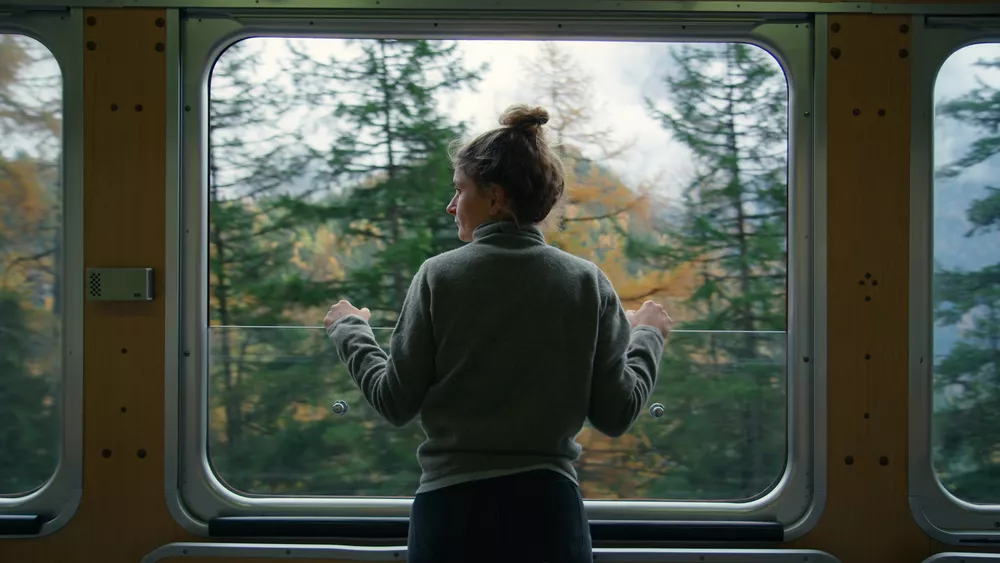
[(123, 514), (867, 517)]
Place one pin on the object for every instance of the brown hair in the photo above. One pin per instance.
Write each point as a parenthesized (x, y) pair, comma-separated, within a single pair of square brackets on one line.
[(518, 158)]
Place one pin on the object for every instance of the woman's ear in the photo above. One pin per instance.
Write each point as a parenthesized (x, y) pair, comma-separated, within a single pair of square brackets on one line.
[(497, 200)]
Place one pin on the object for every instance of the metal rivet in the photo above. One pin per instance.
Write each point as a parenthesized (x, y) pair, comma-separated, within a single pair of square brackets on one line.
[(868, 275), (806, 359), (904, 28), (903, 53), (835, 27), (868, 298), (835, 53), (159, 47), (106, 453), (849, 460), (141, 454), (160, 22), (856, 111), (867, 415), (91, 20), (868, 356), (881, 113), (138, 107), (91, 45), (114, 107), (874, 282), (124, 409), (883, 460), (124, 350)]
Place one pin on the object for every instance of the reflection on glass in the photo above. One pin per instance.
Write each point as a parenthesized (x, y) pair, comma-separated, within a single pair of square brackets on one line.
[(30, 264), (329, 178), (274, 429)]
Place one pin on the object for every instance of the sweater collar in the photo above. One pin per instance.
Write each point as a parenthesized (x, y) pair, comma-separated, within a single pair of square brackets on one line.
[(508, 228)]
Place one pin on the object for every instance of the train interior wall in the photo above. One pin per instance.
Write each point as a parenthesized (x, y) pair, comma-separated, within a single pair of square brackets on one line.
[(123, 516)]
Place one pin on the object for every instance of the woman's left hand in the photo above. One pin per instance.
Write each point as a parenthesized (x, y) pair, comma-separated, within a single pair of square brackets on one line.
[(343, 309)]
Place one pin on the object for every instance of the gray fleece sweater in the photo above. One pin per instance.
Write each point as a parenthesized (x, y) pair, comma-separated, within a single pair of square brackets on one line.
[(504, 348)]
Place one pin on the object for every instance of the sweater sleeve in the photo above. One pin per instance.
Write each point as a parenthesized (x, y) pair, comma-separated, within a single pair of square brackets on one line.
[(625, 366), (394, 384)]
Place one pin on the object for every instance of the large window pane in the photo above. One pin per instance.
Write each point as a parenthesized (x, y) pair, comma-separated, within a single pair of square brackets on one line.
[(966, 283), (30, 257), (329, 179)]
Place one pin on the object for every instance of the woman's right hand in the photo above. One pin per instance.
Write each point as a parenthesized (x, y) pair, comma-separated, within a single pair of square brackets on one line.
[(651, 314)]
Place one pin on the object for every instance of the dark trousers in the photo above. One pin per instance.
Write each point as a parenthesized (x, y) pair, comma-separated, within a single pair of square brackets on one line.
[(535, 516)]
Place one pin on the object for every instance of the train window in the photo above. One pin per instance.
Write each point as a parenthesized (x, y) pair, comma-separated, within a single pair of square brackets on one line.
[(30, 243), (325, 176), (40, 291), (955, 444), (317, 193), (966, 289)]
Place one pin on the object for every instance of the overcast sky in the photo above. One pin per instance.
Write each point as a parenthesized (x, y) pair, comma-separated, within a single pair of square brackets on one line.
[(621, 75)]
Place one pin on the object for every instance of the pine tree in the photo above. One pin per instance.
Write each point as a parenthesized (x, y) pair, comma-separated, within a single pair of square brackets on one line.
[(595, 198), (30, 252), (248, 248), (729, 108), (388, 163), (260, 377), (363, 185), (965, 425), (596, 208)]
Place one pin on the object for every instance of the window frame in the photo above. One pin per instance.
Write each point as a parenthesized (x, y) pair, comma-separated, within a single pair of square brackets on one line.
[(962, 557), (939, 513), (210, 550), (798, 498), (61, 32)]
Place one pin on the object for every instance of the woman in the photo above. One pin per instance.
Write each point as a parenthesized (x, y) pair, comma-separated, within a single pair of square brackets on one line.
[(504, 347)]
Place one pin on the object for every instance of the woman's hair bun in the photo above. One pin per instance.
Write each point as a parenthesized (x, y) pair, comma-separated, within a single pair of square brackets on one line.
[(522, 116)]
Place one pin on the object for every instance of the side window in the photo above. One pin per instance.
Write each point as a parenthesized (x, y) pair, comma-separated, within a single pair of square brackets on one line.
[(966, 275), (954, 445), (317, 169), (31, 278), (328, 178), (41, 272)]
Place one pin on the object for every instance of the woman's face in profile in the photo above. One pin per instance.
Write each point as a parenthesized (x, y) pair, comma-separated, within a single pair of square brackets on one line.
[(470, 205)]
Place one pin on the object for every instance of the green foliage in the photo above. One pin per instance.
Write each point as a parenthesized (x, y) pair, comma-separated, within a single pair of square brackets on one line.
[(389, 156), (981, 109), (30, 256), (381, 186), (966, 422), (29, 405), (732, 229)]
